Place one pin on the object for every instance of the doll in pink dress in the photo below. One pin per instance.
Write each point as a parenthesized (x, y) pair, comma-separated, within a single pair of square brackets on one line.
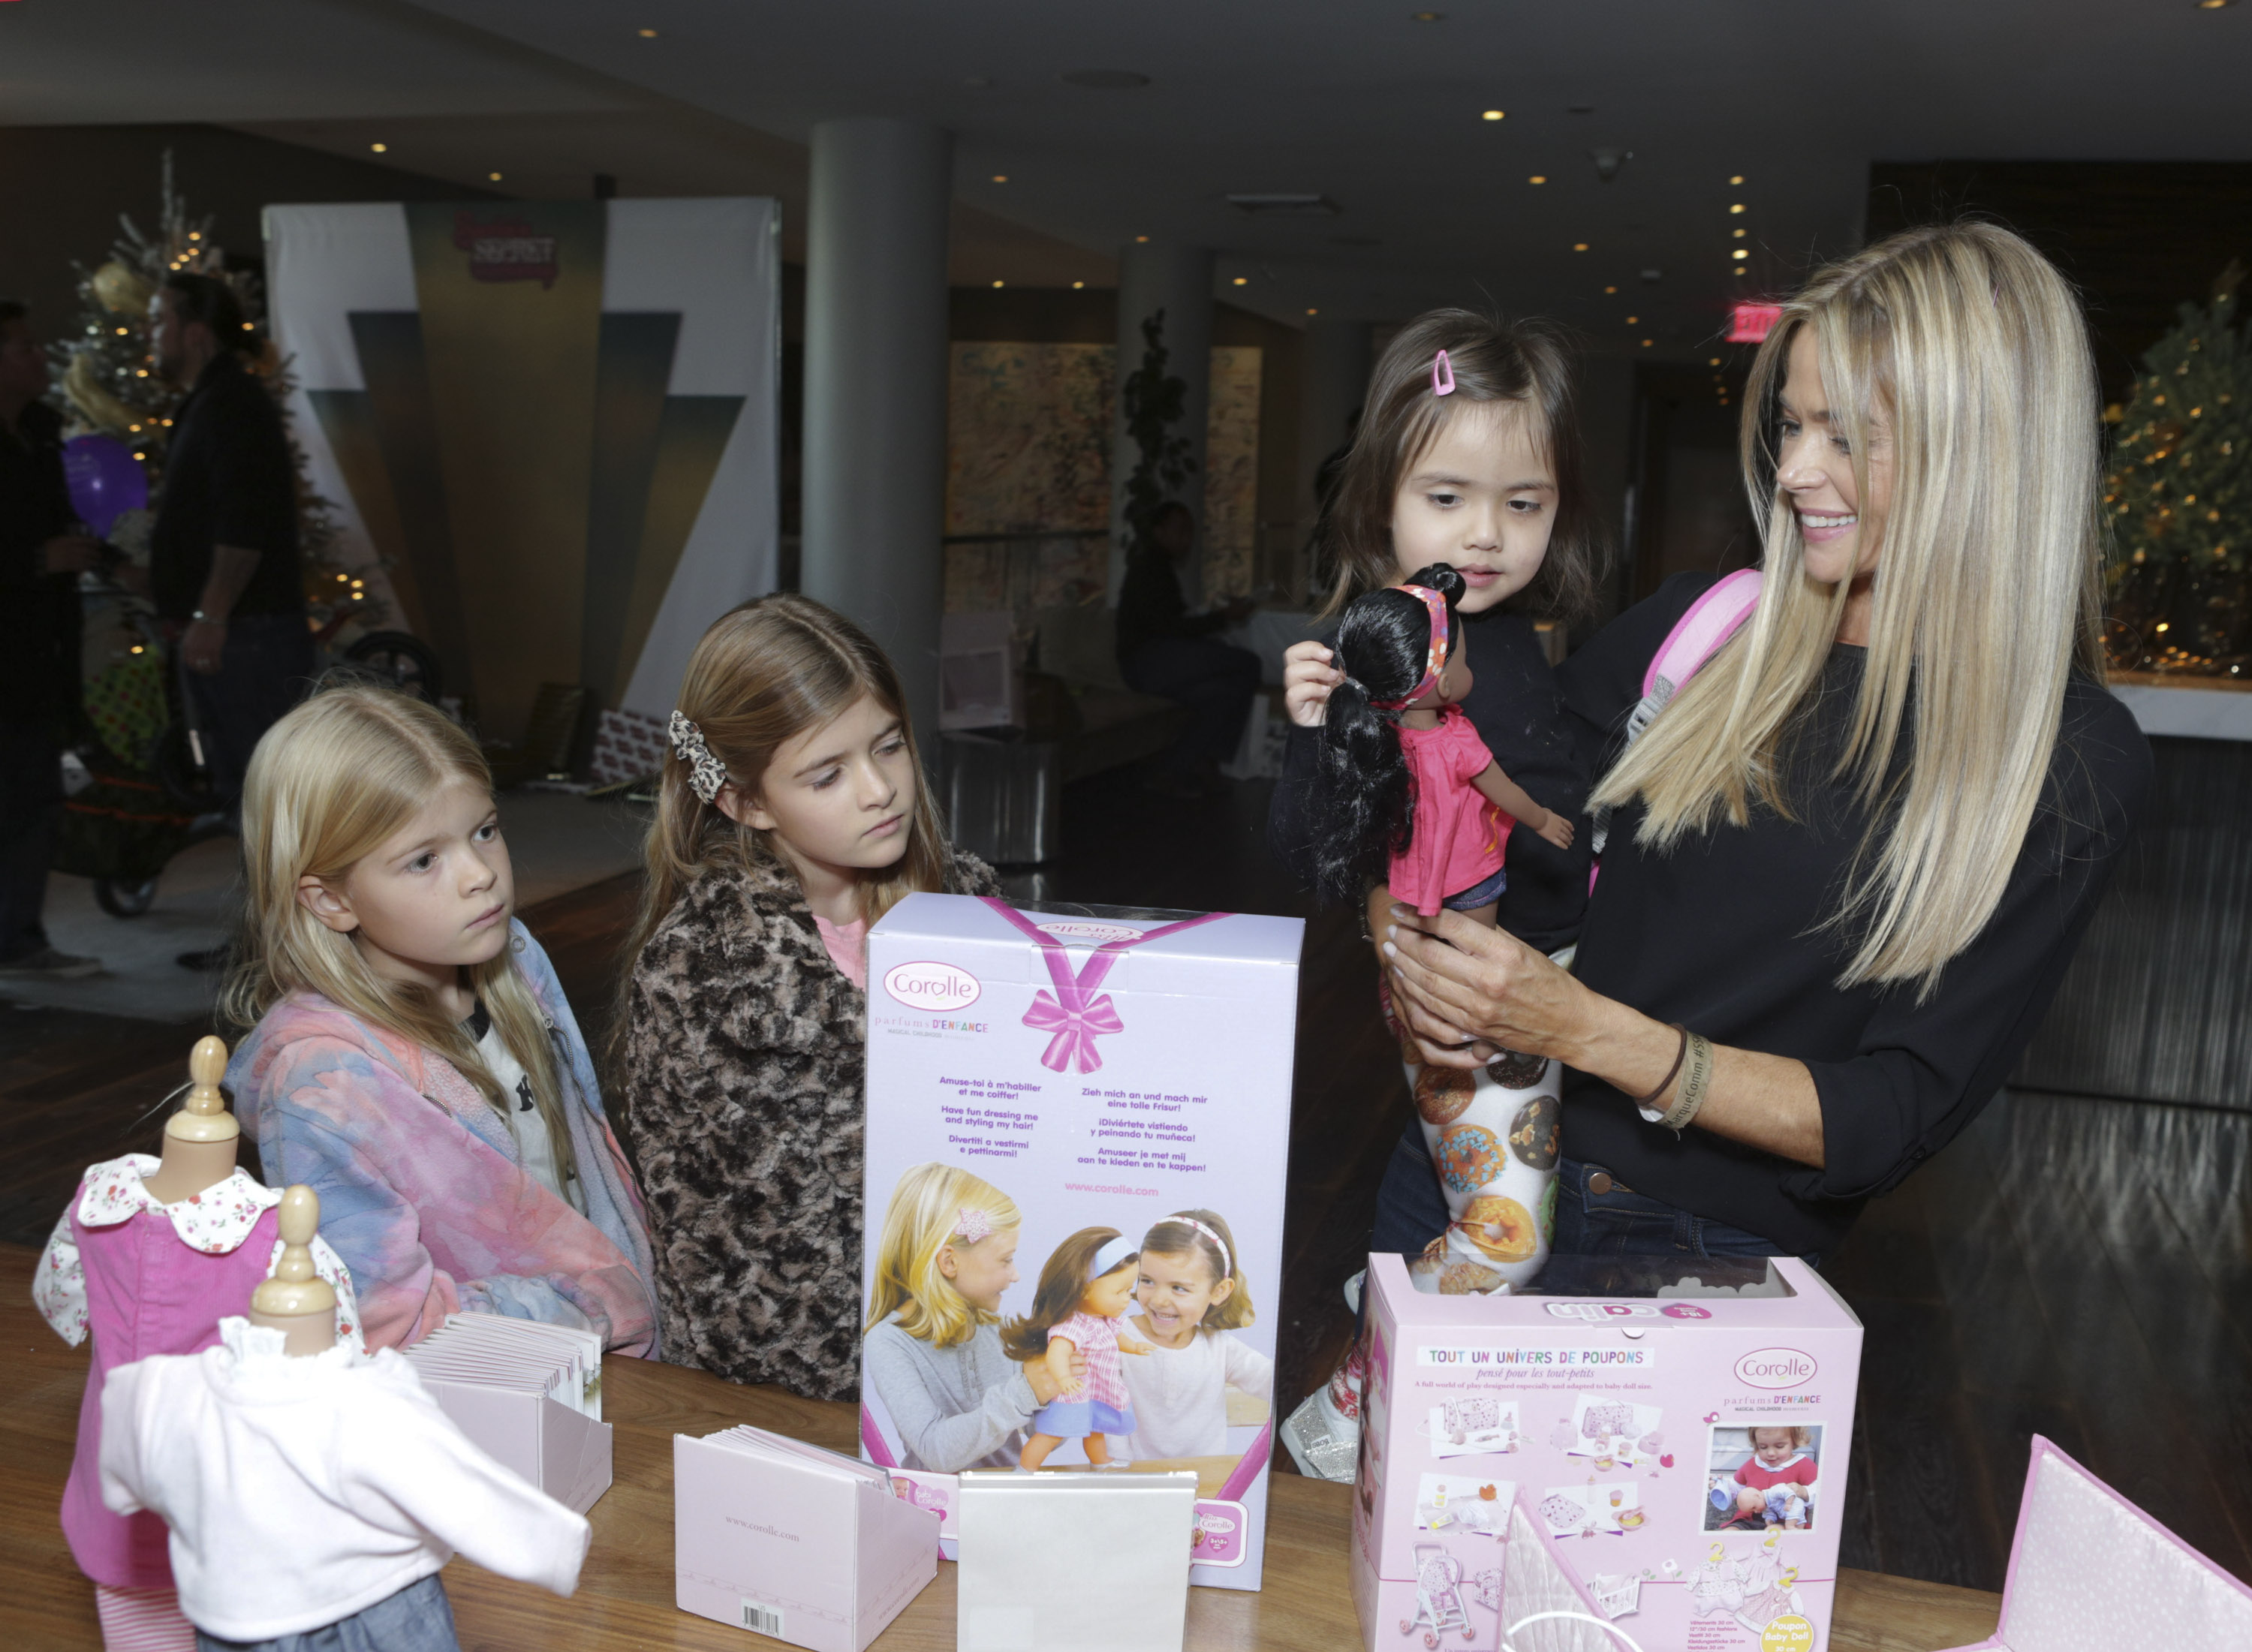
[(1406, 790), (1087, 1286)]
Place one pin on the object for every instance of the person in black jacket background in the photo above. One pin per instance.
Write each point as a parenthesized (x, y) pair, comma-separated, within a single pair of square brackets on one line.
[(42, 551), (1164, 649)]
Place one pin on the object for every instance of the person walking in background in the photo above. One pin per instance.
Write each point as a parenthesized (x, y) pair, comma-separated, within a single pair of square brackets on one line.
[(42, 552), (1164, 649), (223, 562)]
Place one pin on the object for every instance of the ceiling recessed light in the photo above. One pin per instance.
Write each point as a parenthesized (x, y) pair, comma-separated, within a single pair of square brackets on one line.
[(1741, 252), (1000, 178), (1242, 280), (1738, 234), (1419, 16), (1076, 285), (379, 148), (1632, 319), (1313, 312), (1000, 283), (1106, 79), (1647, 343), (1738, 207), (1737, 178), (1139, 238), (647, 34), (1610, 289), (2214, 5), (1537, 177), (1714, 362), (1494, 114), (493, 178), (1579, 247)]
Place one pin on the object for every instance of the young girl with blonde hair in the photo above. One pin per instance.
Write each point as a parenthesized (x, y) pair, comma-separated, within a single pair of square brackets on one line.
[(791, 816), (948, 1253), (414, 1059), (1850, 859)]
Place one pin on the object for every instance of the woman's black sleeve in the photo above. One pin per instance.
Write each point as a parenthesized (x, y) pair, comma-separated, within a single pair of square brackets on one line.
[(1924, 1070)]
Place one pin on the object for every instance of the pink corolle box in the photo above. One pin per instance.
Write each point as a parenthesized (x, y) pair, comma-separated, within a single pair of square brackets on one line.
[(2091, 1570), (1620, 1399), (1096, 1067)]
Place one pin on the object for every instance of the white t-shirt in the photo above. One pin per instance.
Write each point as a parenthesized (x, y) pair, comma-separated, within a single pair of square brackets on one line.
[(535, 1149), (1180, 1395)]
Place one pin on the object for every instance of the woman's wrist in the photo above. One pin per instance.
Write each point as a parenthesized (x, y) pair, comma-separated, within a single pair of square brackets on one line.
[(1625, 1048)]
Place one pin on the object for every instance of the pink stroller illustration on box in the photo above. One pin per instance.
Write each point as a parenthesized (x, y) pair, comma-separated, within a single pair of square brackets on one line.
[(1438, 1596)]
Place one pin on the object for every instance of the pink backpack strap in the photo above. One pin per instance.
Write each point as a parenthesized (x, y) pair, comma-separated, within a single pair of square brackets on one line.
[(1711, 621)]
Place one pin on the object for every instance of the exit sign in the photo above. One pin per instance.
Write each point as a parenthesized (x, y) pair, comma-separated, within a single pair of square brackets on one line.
[(1750, 323)]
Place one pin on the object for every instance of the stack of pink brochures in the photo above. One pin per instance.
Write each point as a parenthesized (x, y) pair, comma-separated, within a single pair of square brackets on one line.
[(811, 1547), (529, 1394), (2091, 1571)]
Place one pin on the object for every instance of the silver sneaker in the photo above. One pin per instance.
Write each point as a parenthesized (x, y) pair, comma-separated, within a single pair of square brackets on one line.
[(1324, 1445)]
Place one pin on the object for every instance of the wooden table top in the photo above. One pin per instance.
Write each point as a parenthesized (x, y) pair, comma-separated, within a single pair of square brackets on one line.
[(625, 1593)]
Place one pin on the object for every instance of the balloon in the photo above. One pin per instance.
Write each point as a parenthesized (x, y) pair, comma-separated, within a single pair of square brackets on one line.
[(105, 481)]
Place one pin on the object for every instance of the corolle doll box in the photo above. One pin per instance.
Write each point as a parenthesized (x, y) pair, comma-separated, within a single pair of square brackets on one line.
[(1680, 1429), (1038, 1076)]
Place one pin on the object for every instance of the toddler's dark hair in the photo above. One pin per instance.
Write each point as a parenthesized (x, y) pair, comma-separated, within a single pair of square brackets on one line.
[(1363, 810), (1525, 362), (1175, 1237)]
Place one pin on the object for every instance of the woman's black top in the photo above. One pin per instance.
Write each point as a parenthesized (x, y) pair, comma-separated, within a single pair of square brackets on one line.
[(1518, 712), (1724, 934)]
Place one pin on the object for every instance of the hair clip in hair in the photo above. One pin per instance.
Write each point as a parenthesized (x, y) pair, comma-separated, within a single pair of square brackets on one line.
[(707, 773), (1442, 375), (971, 1224)]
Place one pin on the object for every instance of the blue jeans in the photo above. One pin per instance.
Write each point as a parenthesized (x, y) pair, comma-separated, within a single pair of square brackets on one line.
[(263, 671), (1411, 1212)]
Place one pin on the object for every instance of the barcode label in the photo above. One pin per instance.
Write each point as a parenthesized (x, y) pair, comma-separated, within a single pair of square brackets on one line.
[(765, 1618)]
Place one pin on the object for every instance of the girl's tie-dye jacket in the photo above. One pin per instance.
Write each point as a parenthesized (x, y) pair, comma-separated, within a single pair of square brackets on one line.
[(422, 1192)]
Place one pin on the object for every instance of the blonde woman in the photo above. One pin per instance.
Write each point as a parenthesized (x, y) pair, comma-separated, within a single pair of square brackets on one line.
[(952, 1399), (1850, 861), (413, 1058)]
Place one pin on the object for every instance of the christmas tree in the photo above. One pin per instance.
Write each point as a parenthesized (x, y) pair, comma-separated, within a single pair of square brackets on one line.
[(105, 376), (2179, 494)]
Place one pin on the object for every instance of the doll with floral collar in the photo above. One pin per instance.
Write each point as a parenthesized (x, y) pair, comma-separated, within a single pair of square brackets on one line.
[(1087, 1286)]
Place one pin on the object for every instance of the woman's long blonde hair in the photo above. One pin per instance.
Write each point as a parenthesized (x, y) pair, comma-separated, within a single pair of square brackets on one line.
[(327, 785), (927, 1211), (762, 675), (1973, 352)]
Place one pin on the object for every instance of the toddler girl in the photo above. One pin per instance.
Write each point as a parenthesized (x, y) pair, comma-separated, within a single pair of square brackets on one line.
[(1406, 785), (413, 1060), (1191, 1288), (1468, 453), (791, 816), (1780, 1463), (1088, 1283), (933, 1357)]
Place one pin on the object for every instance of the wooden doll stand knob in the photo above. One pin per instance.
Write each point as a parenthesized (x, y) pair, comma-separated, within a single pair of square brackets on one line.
[(297, 1302), (200, 1139)]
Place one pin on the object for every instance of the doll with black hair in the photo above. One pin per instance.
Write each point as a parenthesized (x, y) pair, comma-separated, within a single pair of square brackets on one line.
[(1406, 792)]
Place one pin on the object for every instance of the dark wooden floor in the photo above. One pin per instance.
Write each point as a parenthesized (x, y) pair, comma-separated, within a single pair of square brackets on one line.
[(2079, 1268)]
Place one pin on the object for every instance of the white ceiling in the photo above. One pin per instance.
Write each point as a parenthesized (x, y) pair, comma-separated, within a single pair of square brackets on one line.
[(1353, 99)]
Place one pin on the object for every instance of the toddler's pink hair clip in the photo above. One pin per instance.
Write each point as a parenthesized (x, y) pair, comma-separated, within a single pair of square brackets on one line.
[(973, 1226), (1442, 375)]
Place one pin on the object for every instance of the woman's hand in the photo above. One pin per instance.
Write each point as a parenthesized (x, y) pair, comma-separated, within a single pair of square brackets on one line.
[(1466, 990), (1308, 676), (1556, 829)]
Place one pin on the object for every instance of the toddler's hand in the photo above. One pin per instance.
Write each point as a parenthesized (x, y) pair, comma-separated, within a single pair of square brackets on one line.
[(1556, 829), (1308, 676), (1126, 1347)]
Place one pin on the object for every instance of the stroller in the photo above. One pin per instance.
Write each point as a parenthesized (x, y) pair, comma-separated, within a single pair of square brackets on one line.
[(1438, 1596)]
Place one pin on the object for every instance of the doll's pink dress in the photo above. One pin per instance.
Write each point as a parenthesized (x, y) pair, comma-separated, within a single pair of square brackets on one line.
[(1459, 832)]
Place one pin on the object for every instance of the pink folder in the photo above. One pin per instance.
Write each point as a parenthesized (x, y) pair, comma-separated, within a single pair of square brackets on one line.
[(2091, 1570)]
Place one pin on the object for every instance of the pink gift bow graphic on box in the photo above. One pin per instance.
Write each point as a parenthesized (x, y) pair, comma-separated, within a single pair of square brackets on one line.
[(1076, 1011)]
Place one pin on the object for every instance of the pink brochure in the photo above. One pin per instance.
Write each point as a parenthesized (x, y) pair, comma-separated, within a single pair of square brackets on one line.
[(2090, 1572), (1083, 1094), (792, 1541)]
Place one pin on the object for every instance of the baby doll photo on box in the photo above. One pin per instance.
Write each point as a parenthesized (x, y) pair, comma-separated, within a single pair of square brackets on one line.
[(1761, 1477), (1075, 1200)]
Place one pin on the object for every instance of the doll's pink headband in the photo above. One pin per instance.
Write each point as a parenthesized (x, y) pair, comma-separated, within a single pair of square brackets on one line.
[(1436, 662)]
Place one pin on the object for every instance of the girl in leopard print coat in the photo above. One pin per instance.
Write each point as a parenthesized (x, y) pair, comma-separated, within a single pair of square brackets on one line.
[(791, 816)]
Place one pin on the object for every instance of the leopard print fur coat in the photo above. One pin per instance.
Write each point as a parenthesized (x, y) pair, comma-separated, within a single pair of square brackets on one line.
[(742, 1074)]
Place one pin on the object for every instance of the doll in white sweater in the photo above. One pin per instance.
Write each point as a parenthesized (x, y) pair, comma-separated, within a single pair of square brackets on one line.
[(1191, 1292)]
